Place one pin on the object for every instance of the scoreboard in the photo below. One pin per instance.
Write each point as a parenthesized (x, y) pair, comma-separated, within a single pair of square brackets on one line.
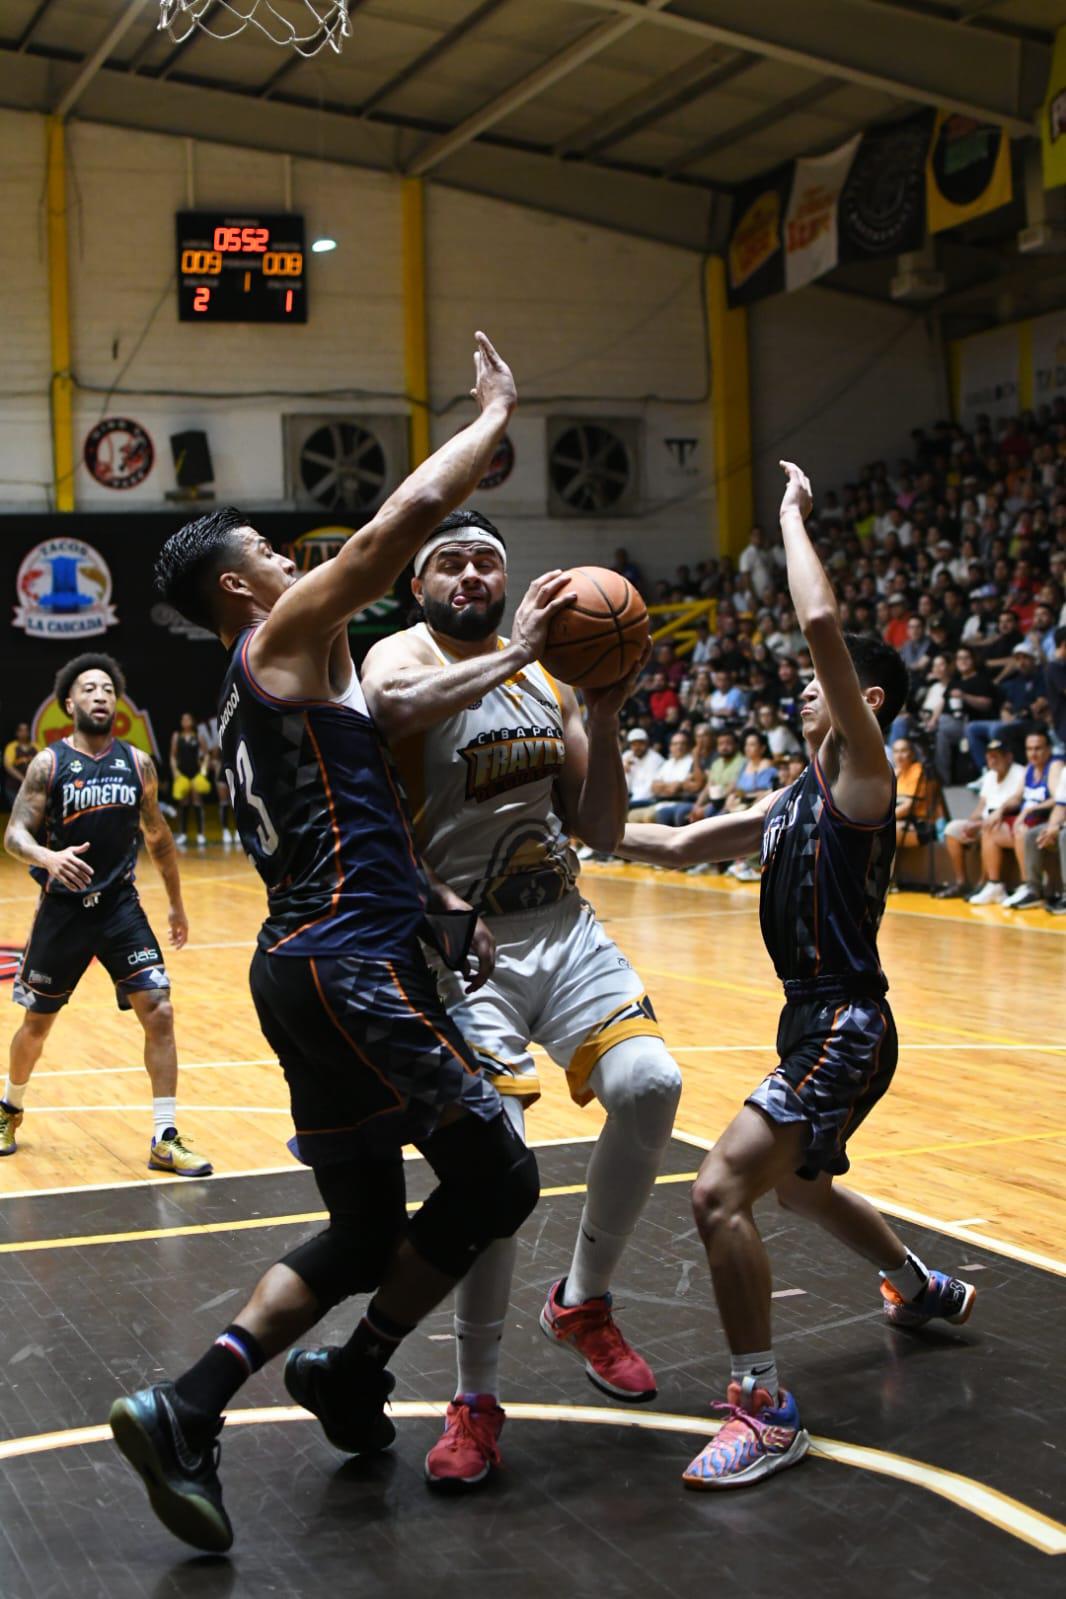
[(240, 268)]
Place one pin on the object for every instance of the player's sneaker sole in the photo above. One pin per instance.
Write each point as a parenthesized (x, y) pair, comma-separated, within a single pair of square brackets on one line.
[(627, 1395), (370, 1433), (765, 1466), (189, 1516)]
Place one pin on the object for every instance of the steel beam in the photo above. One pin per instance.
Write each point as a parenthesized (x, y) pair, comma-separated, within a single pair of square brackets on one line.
[(768, 118), (709, 70), (428, 57), (93, 63)]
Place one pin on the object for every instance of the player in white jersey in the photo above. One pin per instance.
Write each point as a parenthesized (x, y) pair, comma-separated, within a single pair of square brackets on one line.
[(500, 770)]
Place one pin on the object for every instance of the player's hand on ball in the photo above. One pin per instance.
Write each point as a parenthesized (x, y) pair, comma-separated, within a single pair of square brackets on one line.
[(67, 867), (482, 957), (493, 381), (608, 702), (179, 928), (544, 597), (798, 495)]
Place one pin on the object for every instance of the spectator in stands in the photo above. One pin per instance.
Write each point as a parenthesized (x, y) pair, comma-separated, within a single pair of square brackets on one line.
[(789, 689), (779, 736), (675, 812), (18, 753), (628, 569), (728, 704), (917, 796), (721, 776), (662, 697), (991, 824), (896, 617), (970, 697), (641, 765), (1021, 686), (795, 766), (696, 692), (703, 648), (1043, 776), (669, 782), (915, 649), (1052, 836), (757, 776), (761, 563)]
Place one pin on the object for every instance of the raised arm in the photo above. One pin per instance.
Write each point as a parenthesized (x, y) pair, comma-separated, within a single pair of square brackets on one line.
[(720, 838), (862, 783), (159, 842), (313, 611), (408, 690), (64, 866)]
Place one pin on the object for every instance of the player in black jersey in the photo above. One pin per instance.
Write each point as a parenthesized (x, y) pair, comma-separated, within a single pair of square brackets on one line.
[(340, 983), (92, 795), (827, 845)]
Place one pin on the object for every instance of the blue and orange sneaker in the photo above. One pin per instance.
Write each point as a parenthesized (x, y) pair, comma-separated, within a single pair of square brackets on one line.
[(758, 1439), (943, 1298)]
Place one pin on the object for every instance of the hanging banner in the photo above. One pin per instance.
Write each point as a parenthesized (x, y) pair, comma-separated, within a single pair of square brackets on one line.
[(968, 171), (1053, 117), (1049, 357), (756, 259), (811, 221), (882, 206)]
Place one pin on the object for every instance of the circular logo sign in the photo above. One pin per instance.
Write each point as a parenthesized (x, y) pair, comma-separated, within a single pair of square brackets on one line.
[(119, 453), (64, 591), (500, 466)]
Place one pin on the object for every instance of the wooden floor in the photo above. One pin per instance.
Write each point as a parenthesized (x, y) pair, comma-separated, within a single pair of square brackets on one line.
[(971, 1140)]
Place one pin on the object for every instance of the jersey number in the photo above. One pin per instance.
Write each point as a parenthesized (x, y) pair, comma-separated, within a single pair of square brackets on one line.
[(265, 832)]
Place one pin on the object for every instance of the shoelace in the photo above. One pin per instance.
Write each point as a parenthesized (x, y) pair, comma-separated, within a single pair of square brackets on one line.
[(737, 1413), (465, 1429)]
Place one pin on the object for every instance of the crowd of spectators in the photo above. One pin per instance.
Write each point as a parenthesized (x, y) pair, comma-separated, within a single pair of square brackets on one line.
[(956, 555)]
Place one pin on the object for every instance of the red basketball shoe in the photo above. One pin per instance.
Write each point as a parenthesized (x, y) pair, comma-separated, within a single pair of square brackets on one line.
[(589, 1332), (468, 1448)]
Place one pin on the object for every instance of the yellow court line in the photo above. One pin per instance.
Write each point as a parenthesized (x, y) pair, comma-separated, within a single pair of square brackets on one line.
[(201, 1229), (999, 1509)]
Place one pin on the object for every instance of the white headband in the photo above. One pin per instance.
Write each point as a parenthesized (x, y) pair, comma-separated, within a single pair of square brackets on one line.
[(459, 535)]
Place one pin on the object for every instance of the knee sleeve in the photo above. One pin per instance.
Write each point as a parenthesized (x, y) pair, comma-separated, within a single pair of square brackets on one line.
[(489, 1184), (638, 1083), (367, 1220)]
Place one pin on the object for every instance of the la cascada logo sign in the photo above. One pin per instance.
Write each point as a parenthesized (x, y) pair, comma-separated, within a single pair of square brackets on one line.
[(64, 591)]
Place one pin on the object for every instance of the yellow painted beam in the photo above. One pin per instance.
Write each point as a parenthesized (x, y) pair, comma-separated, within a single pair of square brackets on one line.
[(730, 413), (62, 387), (416, 359)]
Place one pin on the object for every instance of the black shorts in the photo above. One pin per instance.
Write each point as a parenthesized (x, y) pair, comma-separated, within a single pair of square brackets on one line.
[(838, 1055), (369, 1053), (67, 933)]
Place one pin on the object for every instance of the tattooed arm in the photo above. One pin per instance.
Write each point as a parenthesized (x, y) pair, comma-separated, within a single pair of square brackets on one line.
[(160, 844), (64, 866)]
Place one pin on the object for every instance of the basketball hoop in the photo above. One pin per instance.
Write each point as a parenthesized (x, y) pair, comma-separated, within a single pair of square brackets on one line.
[(305, 26)]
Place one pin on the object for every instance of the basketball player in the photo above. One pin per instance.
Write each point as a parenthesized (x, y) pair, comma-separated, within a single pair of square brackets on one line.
[(827, 846), (500, 770), (340, 985), (92, 794)]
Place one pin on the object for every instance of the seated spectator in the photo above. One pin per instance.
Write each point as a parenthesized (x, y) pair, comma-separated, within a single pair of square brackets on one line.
[(915, 649), (728, 704), (789, 689), (676, 812), (696, 692), (670, 780), (779, 736), (969, 697), (1052, 836), (703, 647), (661, 697), (641, 765), (1022, 687), (989, 824), (1043, 777), (721, 776), (894, 626), (995, 651), (757, 776), (795, 766), (628, 569), (18, 753), (917, 796)]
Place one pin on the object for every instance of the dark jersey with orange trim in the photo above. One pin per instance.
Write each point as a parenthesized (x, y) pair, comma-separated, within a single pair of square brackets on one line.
[(94, 800), (322, 817), (824, 882)]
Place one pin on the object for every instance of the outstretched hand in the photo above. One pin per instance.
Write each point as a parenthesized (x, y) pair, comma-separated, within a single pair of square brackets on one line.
[(493, 380), (545, 597), (608, 702), (798, 495)]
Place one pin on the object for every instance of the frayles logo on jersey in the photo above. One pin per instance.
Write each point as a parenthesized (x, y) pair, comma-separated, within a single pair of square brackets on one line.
[(96, 793), (64, 591), (508, 757)]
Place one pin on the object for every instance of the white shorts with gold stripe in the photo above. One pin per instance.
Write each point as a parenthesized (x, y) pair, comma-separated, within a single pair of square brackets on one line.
[(559, 982)]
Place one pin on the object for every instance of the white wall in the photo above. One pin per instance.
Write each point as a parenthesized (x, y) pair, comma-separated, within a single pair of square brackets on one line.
[(836, 381), (594, 323)]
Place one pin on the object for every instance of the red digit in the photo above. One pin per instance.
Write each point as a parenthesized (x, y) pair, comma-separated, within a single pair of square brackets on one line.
[(254, 238), (288, 300), (201, 299)]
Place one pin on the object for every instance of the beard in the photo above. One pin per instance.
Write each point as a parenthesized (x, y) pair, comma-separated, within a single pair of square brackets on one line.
[(84, 723), (472, 623)]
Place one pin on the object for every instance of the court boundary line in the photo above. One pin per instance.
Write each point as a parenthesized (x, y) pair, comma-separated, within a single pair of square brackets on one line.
[(1009, 1515)]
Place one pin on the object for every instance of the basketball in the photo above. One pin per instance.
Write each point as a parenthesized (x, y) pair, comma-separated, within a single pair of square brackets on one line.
[(599, 638)]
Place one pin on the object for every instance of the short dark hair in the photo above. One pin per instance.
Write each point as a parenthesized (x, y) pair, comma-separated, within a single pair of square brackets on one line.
[(457, 519), (188, 565), (878, 665), (68, 675)]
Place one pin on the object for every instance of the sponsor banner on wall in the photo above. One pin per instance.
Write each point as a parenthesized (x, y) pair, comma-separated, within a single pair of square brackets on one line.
[(755, 260), (1053, 116), (63, 589), (811, 219), (132, 723), (989, 375), (119, 453), (882, 204), (1049, 357), (968, 171)]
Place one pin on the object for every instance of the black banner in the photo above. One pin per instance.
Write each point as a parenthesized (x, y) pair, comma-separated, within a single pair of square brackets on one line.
[(882, 205), (84, 582)]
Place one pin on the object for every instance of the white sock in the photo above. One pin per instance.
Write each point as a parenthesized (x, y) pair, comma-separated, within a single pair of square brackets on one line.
[(761, 1365), (638, 1085), (164, 1114), (481, 1302), (909, 1279), (14, 1093)]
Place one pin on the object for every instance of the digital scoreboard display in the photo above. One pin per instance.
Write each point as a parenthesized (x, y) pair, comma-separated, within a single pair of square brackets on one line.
[(239, 268)]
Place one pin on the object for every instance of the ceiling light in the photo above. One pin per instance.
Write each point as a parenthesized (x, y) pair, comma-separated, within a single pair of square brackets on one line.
[(321, 246)]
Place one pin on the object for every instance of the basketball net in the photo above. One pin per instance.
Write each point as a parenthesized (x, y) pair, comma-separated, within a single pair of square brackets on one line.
[(305, 26)]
